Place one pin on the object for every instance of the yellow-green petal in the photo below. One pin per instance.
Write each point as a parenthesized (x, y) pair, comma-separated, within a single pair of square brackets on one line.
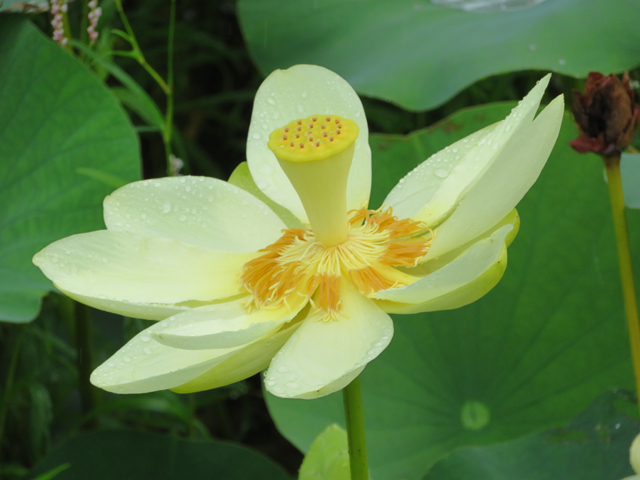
[(145, 311), (460, 282), (634, 454), (244, 363), (223, 325), (505, 182), (434, 189), (324, 356), (129, 268), (144, 365), (201, 211)]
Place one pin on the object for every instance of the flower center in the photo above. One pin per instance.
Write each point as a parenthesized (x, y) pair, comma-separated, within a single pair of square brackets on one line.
[(299, 265), (315, 154), (314, 138)]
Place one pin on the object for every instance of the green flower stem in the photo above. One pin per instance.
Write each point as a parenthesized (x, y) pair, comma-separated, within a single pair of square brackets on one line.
[(84, 357), (67, 30), (84, 23), (612, 165), (8, 386), (354, 413), (136, 53), (166, 135)]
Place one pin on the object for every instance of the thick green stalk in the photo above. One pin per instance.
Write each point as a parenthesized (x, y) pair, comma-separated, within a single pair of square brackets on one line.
[(354, 413), (612, 165)]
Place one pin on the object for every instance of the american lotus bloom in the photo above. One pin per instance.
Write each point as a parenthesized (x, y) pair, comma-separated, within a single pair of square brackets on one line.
[(237, 290)]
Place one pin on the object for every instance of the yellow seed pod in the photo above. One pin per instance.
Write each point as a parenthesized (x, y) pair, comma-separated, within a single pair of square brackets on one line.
[(314, 138)]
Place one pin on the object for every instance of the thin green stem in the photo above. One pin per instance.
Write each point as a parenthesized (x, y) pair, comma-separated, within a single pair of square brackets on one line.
[(84, 23), (137, 53), (612, 165), (67, 30), (169, 116), (354, 413), (84, 358), (192, 415), (8, 385)]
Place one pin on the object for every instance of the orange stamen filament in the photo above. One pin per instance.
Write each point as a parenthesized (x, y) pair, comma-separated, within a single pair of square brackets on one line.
[(297, 264)]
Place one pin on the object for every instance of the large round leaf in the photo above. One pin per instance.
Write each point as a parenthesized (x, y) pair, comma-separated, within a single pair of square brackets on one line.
[(130, 455), (528, 356), (418, 55), (65, 143), (594, 446)]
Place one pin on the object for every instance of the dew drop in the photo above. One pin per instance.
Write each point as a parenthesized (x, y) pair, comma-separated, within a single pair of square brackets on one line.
[(183, 218), (256, 136), (271, 101), (145, 338), (441, 173), (147, 351), (262, 185), (300, 108), (127, 359)]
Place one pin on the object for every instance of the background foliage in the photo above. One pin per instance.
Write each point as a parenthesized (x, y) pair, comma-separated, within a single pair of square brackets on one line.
[(495, 390)]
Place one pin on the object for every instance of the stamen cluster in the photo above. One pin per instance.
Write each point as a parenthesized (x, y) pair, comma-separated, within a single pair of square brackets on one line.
[(297, 264)]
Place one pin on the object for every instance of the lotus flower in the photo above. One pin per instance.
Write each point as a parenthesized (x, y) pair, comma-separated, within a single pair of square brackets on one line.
[(303, 282)]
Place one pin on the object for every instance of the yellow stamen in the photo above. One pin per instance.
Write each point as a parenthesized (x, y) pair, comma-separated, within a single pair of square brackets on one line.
[(298, 264)]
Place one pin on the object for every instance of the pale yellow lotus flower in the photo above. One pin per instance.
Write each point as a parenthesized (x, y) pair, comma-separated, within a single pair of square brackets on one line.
[(238, 291)]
